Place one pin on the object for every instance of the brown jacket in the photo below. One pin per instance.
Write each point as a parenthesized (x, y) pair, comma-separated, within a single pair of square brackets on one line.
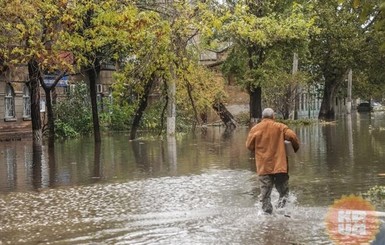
[(266, 139)]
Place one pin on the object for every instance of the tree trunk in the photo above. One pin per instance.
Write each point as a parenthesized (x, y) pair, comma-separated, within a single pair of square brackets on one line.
[(93, 73), (226, 117), (334, 77), (327, 105), (286, 103), (189, 92), (34, 75), (164, 107), (49, 91), (171, 107), (142, 106), (255, 104), (50, 116), (255, 58)]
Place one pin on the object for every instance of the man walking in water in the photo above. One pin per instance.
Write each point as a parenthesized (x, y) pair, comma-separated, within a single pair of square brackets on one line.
[(267, 140)]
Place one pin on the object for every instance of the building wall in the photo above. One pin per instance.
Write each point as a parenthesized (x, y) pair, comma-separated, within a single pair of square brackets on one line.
[(309, 105), (17, 76), (18, 127)]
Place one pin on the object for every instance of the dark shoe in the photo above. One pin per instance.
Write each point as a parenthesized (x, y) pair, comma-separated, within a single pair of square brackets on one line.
[(282, 202), (268, 211), (267, 207), (267, 214)]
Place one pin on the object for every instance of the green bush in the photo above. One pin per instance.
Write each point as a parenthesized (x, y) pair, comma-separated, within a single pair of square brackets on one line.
[(74, 113), (63, 130), (151, 119), (376, 195), (120, 117), (377, 192)]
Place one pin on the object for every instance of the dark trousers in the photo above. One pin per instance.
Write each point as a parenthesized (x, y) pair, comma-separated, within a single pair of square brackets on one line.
[(267, 182)]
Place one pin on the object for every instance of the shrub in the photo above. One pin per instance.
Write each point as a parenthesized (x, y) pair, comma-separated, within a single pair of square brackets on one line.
[(63, 130), (119, 117), (74, 113), (376, 195)]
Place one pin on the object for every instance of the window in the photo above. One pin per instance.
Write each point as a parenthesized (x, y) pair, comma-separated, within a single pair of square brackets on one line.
[(99, 88), (99, 100), (110, 99), (42, 105), (9, 102), (26, 102), (70, 89)]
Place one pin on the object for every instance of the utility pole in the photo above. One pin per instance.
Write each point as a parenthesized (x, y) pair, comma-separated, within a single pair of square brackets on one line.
[(349, 99), (171, 105), (295, 90)]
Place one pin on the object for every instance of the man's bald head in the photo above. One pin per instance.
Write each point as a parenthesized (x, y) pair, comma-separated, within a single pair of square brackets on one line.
[(268, 113)]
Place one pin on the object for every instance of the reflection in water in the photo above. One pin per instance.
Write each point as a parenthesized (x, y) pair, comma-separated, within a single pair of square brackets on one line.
[(41, 172), (16, 170), (171, 150), (51, 165), (10, 160), (198, 188), (337, 159), (97, 162), (37, 167), (227, 133), (349, 132), (139, 149)]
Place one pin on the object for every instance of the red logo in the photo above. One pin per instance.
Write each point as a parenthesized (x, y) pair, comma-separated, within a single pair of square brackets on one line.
[(352, 220)]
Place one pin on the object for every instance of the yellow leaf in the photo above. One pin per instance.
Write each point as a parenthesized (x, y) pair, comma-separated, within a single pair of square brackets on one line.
[(356, 3)]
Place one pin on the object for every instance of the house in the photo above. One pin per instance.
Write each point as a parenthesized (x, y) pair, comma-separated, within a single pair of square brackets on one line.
[(15, 98), (15, 104)]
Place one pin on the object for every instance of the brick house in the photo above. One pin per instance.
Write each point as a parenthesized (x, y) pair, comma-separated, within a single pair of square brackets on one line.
[(15, 104), (15, 98)]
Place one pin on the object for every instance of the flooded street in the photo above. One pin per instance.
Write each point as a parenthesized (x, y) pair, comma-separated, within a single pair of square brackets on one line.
[(199, 189)]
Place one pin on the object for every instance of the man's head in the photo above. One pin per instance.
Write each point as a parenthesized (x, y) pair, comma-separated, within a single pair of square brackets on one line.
[(268, 113)]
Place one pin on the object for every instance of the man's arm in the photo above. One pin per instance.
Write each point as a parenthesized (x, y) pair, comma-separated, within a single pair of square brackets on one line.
[(291, 136), (250, 141)]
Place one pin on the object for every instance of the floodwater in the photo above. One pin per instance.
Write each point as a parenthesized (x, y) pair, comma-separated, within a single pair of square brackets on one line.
[(196, 189)]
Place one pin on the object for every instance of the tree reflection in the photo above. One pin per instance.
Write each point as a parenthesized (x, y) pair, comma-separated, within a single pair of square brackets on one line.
[(10, 168), (228, 133), (52, 165), (98, 171), (334, 148), (349, 132), (139, 149), (171, 153), (37, 156)]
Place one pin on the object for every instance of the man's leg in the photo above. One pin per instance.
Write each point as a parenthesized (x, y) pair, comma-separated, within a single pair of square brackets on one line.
[(266, 185), (282, 185)]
